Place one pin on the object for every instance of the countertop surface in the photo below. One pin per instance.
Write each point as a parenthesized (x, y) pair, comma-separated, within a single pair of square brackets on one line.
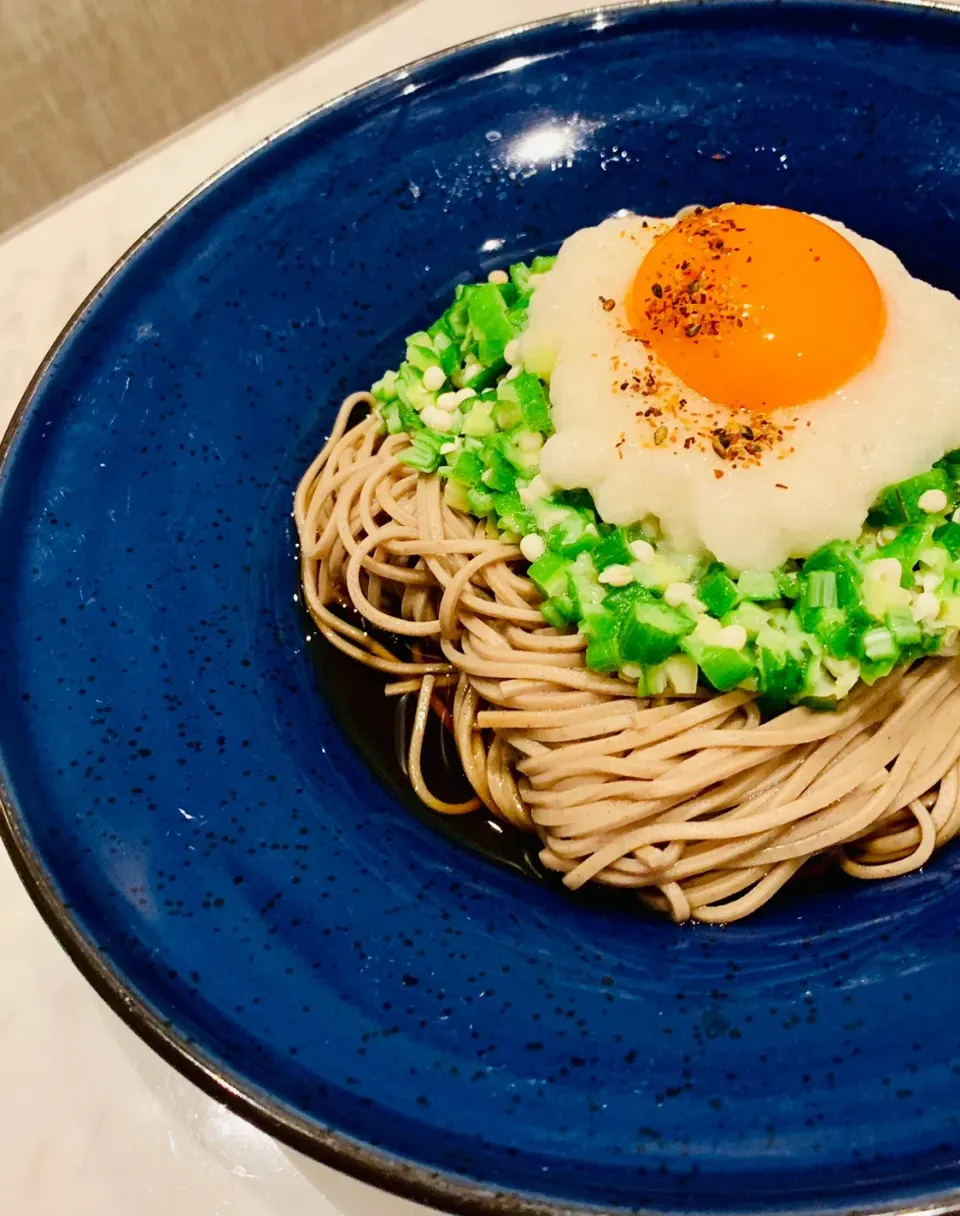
[(91, 1122)]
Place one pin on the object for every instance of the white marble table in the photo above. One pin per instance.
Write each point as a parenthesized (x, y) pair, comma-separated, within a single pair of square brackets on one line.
[(91, 1122)]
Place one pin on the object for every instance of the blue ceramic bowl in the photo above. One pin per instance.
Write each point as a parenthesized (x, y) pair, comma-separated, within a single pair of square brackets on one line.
[(184, 802)]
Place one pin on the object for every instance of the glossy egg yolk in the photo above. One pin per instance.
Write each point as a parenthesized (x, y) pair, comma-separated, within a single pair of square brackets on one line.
[(757, 308)]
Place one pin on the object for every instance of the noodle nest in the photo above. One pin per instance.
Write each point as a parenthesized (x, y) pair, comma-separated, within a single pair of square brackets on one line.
[(700, 805)]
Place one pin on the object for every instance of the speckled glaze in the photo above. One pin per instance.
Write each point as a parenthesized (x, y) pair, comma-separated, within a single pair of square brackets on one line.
[(177, 795)]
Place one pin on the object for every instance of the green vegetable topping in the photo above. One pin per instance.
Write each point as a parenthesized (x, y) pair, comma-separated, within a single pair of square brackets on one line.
[(804, 633)]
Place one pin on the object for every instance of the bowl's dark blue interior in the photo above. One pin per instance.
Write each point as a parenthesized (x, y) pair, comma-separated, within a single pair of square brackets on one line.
[(174, 777)]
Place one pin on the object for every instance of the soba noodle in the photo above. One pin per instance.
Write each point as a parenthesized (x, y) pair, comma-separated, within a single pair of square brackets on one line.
[(700, 805)]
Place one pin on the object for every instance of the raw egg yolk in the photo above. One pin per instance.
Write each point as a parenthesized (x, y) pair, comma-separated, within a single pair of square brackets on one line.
[(757, 308)]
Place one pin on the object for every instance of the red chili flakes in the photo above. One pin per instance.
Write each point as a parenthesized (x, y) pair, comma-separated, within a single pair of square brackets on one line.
[(781, 486), (692, 296), (607, 304), (745, 441), (719, 156), (718, 473)]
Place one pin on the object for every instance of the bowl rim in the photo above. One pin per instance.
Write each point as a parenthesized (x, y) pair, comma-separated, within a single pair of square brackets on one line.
[(380, 1169)]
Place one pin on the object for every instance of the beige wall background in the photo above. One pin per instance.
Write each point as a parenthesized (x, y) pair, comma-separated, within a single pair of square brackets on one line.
[(86, 84)]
